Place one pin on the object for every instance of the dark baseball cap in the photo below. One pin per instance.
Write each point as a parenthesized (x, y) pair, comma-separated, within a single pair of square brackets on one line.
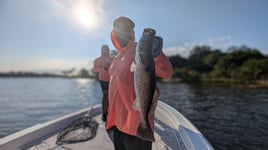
[(123, 23)]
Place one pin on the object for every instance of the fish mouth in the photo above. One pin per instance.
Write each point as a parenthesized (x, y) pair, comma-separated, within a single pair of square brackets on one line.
[(149, 31)]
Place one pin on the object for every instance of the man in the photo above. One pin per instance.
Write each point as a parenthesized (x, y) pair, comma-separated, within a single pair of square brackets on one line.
[(101, 66), (122, 118)]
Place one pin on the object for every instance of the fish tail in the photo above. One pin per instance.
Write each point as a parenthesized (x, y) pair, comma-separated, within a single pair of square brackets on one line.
[(145, 133)]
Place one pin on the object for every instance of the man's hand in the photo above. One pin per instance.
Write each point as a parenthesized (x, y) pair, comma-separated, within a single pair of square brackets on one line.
[(157, 46), (107, 66)]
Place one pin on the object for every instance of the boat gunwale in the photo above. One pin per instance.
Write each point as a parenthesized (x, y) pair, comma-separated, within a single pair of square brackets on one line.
[(23, 139)]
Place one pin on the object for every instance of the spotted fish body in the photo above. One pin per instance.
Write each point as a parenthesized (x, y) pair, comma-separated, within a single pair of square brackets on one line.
[(145, 84)]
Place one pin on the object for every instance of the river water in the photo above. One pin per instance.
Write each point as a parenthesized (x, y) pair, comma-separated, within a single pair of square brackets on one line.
[(229, 116)]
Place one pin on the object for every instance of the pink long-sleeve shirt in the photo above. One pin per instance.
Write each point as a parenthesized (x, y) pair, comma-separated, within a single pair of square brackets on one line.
[(122, 92), (100, 64)]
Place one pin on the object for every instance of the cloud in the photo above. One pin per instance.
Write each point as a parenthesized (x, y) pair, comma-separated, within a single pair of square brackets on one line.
[(45, 65), (265, 52), (184, 50), (60, 64), (223, 42)]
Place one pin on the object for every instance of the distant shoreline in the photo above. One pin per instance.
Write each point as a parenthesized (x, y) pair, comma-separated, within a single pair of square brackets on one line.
[(39, 75), (46, 77), (245, 84)]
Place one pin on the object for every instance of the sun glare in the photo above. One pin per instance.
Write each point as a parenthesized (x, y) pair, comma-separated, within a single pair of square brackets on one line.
[(86, 15)]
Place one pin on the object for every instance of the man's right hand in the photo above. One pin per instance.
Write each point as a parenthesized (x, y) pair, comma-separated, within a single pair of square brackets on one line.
[(107, 66)]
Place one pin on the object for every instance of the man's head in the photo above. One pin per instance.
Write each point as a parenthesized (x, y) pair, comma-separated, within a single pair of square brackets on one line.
[(123, 32), (105, 50)]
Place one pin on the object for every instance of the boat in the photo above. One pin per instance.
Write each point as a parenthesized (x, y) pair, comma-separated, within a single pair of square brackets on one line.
[(172, 131)]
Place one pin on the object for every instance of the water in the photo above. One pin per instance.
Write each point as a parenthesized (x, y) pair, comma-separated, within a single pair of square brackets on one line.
[(28, 101), (230, 117)]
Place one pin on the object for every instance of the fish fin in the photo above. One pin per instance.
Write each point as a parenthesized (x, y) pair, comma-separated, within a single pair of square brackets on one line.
[(145, 133), (155, 100), (135, 105), (132, 67)]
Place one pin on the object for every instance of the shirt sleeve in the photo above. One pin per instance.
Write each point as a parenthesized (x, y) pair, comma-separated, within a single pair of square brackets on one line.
[(163, 67), (97, 66)]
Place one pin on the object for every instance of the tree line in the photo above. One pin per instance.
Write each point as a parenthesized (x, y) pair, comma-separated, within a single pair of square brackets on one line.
[(70, 73), (237, 64)]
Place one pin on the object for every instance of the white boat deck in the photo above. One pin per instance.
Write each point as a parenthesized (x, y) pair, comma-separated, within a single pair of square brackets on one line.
[(103, 142), (172, 131)]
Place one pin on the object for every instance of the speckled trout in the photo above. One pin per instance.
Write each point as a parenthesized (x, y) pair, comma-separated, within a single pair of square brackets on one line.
[(145, 84)]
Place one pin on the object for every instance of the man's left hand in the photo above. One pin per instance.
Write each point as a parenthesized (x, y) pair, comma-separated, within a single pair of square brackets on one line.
[(157, 46)]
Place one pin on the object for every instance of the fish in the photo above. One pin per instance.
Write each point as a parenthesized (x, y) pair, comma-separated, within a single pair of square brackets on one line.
[(146, 90)]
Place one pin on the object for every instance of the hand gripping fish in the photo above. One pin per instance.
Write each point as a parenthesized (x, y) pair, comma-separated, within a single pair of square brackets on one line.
[(145, 84)]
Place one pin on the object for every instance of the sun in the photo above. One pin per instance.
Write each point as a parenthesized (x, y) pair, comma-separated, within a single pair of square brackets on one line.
[(86, 17)]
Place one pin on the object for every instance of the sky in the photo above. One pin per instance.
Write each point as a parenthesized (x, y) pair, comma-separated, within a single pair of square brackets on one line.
[(45, 35)]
